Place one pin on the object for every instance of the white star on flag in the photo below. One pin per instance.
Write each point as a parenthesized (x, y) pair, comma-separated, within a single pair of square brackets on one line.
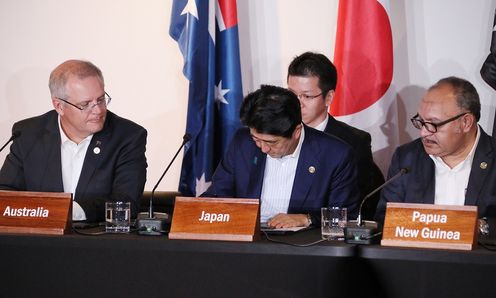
[(202, 185), (191, 9), (219, 94)]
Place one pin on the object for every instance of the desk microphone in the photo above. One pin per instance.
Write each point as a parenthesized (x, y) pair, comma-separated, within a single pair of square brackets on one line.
[(154, 224), (363, 232), (15, 135)]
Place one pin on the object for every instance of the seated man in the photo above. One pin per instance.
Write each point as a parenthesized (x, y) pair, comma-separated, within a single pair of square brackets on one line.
[(79, 147), (452, 163), (313, 77), (294, 169)]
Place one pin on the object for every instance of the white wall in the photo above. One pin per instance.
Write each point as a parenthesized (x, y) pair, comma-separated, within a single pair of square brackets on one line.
[(129, 41)]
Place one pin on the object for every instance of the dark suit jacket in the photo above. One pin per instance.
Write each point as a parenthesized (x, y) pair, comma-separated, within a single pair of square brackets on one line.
[(118, 172), (418, 185), (333, 183), (369, 174)]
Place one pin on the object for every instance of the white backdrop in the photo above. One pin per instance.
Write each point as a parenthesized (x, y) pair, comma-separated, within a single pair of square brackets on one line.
[(129, 41)]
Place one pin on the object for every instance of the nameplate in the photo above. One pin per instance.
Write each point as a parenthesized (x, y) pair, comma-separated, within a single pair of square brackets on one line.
[(430, 226), (24, 212), (215, 219)]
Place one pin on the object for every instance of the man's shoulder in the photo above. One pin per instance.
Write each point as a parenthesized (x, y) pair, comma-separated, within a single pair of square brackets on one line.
[(325, 139), (350, 134), (118, 123), (412, 151), (36, 123)]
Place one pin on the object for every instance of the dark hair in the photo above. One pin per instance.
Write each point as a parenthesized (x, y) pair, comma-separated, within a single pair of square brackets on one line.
[(271, 110), (311, 64), (466, 95)]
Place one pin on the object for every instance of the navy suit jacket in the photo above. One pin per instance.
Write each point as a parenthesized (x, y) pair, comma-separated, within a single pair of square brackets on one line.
[(369, 175), (418, 185), (333, 183), (117, 172)]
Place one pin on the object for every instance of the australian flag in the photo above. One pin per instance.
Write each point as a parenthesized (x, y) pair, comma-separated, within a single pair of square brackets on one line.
[(207, 34)]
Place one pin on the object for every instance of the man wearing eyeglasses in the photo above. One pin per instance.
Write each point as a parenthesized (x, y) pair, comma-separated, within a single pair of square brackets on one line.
[(453, 161), (313, 77), (294, 169), (79, 147)]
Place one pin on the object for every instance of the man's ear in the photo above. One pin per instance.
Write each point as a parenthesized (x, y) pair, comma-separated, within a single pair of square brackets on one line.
[(329, 97), (468, 122), (58, 106)]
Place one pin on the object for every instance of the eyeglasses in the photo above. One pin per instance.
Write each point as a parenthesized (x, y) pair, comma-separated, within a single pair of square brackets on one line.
[(432, 127), (305, 97), (88, 106)]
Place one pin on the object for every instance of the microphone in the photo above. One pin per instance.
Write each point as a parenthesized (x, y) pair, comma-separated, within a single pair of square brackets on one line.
[(14, 136), (364, 232), (154, 224)]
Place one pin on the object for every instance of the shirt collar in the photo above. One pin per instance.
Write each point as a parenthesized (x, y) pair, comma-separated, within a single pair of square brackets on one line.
[(323, 124), (64, 138)]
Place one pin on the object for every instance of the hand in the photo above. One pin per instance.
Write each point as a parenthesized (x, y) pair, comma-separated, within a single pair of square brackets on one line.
[(283, 220)]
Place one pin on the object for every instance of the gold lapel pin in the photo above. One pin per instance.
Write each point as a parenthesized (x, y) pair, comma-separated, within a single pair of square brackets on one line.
[(311, 169), (483, 165)]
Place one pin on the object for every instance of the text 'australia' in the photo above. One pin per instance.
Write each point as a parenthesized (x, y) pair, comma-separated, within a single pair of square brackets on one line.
[(25, 212)]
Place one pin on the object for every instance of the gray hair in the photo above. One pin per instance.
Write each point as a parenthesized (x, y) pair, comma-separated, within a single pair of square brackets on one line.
[(466, 95), (78, 68)]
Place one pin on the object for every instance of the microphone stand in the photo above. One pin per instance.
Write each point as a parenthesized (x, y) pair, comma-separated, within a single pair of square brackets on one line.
[(15, 134), (365, 232), (154, 224)]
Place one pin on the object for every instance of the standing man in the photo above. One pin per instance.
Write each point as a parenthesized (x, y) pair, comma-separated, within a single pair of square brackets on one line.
[(79, 147), (313, 77), (454, 160), (294, 169)]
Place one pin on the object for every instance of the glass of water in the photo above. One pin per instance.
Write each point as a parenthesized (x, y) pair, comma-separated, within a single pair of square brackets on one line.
[(117, 217), (333, 223)]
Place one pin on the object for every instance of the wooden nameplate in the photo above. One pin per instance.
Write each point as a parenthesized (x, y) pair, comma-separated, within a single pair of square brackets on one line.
[(24, 212), (430, 226), (215, 219)]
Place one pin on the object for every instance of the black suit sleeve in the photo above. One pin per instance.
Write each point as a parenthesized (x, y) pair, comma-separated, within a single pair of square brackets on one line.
[(393, 192), (11, 177), (129, 177)]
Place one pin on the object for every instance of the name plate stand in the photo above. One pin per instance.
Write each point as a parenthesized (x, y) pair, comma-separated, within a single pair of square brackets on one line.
[(24, 212), (430, 226), (215, 219)]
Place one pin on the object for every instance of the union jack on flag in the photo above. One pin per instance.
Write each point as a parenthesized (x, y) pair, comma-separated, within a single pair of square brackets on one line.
[(207, 34)]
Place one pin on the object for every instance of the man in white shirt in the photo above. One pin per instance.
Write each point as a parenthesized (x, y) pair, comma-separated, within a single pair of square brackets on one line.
[(453, 161), (79, 147), (294, 169)]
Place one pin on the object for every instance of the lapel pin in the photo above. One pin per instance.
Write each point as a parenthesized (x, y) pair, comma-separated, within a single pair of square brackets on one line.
[(96, 150), (483, 165), (255, 160), (98, 143), (311, 169)]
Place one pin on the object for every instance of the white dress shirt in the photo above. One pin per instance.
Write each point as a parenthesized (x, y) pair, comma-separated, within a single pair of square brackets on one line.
[(451, 184), (323, 124), (278, 182), (72, 158)]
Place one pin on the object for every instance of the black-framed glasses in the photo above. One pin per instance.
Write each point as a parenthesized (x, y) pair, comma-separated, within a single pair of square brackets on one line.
[(430, 126), (306, 97), (88, 106)]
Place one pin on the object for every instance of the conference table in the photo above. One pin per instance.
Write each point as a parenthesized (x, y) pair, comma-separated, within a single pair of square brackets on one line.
[(130, 265)]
